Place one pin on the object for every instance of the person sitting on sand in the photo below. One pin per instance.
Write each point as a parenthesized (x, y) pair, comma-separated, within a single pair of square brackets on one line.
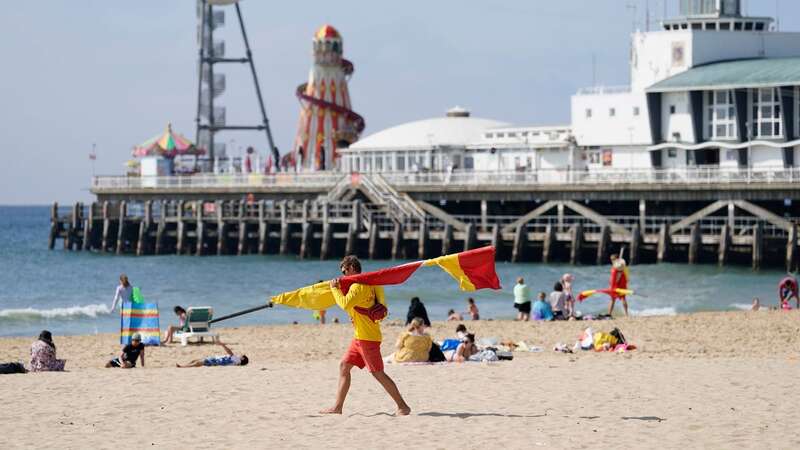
[(756, 304), (414, 345), (472, 309), (466, 349), (130, 353), (181, 313), (228, 359), (453, 315), (417, 309), (365, 348), (541, 309), (43, 355)]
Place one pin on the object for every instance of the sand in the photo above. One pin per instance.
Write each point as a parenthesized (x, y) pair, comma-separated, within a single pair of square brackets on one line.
[(704, 380)]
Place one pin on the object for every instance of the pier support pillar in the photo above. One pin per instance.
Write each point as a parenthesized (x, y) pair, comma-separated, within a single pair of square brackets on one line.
[(695, 242), (577, 244), (560, 212), (284, 245), (422, 240), (325, 248), (642, 214), (88, 228), (664, 241), (724, 245), (51, 242), (222, 229), (447, 239), (106, 227), (602, 245), (496, 239), (758, 245), (305, 241), (373, 239), (161, 228), (181, 230), (241, 247), (520, 239), (144, 228), (484, 215), (262, 228), (71, 240), (200, 229), (470, 237), (121, 226), (791, 248), (352, 236), (397, 241), (636, 245), (549, 244)]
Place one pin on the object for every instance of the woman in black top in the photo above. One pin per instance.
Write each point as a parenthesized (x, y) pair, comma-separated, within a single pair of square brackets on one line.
[(417, 309)]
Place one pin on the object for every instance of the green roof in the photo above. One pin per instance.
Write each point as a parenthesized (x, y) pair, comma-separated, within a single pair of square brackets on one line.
[(745, 73)]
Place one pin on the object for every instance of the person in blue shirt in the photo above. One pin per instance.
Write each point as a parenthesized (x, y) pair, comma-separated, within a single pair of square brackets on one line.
[(542, 309)]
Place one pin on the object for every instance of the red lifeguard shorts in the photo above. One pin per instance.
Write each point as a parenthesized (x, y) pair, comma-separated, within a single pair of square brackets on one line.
[(364, 353)]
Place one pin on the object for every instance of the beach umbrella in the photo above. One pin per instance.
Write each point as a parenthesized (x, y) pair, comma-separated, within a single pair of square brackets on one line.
[(167, 144)]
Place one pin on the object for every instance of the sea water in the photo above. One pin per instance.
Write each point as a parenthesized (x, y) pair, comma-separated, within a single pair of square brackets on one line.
[(71, 292)]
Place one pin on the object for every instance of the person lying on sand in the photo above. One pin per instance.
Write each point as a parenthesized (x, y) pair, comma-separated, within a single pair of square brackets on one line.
[(229, 359), (130, 353), (466, 349)]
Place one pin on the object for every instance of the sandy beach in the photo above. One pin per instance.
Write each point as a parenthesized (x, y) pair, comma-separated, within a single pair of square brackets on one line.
[(711, 380)]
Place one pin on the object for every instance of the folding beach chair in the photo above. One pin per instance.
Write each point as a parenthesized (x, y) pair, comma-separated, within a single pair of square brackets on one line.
[(197, 318)]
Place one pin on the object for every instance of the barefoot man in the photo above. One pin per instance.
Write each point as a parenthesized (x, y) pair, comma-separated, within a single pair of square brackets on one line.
[(365, 348)]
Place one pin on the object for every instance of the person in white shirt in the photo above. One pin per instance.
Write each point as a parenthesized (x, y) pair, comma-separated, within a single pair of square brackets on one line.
[(124, 293)]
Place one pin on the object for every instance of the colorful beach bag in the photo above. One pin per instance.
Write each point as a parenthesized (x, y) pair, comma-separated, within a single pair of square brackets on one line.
[(140, 316)]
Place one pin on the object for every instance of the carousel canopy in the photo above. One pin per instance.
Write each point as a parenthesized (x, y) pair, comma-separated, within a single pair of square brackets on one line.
[(168, 144)]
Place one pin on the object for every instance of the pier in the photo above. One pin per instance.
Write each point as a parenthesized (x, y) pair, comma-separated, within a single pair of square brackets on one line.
[(329, 215)]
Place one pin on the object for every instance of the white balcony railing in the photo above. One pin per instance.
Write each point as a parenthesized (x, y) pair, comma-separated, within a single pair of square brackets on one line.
[(457, 179)]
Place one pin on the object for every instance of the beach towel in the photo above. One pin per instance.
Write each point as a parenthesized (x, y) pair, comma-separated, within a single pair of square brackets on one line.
[(140, 317)]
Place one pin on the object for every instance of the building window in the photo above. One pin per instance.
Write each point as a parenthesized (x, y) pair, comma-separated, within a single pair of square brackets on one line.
[(766, 113), (672, 109), (501, 135), (512, 134), (588, 113), (400, 163), (720, 115), (612, 112), (489, 135), (635, 110)]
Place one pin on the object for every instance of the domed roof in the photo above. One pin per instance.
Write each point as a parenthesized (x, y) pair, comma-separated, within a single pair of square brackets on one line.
[(327, 32), (451, 130)]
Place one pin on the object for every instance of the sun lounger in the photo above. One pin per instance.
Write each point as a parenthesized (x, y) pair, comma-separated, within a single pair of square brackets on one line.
[(197, 326)]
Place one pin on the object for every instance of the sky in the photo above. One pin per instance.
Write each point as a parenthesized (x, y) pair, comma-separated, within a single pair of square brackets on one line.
[(113, 74)]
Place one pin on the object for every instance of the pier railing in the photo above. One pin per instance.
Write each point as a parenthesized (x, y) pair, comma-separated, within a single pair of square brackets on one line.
[(462, 178)]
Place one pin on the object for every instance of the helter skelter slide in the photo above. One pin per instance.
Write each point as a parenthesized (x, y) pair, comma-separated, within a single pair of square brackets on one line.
[(327, 121)]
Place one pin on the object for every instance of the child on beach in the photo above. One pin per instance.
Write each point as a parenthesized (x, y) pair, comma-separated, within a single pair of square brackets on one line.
[(453, 315), (541, 309), (472, 309), (558, 302), (365, 348), (229, 359), (130, 353)]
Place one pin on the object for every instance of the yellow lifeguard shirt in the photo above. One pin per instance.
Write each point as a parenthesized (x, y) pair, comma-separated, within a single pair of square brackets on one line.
[(364, 296)]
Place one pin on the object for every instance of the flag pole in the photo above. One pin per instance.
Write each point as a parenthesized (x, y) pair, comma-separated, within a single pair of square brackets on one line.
[(241, 313)]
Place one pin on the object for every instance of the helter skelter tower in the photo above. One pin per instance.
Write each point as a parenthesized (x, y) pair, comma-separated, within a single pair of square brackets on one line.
[(327, 121)]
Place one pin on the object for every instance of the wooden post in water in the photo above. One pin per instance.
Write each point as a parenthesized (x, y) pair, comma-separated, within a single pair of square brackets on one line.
[(284, 246), (51, 242), (758, 245), (496, 238), (791, 248), (397, 241), (549, 244), (305, 240), (121, 226), (577, 244), (222, 228), (262, 228), (602, 245), (447, 239), (72, 233), (242, 243), (664, 241), (161, 228), (88, 228), (520, 240), (422, 240), (470, 237), (373, 238), (724, 245), (695, 242), (560, 212), (636, 245), (181, 230), (350, 243), (327, 233), (200, 229), (106, 226), (144, 228)]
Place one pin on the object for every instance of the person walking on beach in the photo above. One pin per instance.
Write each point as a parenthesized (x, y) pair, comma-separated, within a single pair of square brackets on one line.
[(522, 300), (365, 348), (618, 280), (472, 309), (124, 293)]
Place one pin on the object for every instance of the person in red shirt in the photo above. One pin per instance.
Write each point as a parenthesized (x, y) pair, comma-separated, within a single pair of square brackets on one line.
[(619, 280), (365, 348)]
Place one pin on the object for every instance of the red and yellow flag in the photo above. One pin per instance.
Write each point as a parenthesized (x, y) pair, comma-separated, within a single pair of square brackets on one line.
[(473, 269)]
